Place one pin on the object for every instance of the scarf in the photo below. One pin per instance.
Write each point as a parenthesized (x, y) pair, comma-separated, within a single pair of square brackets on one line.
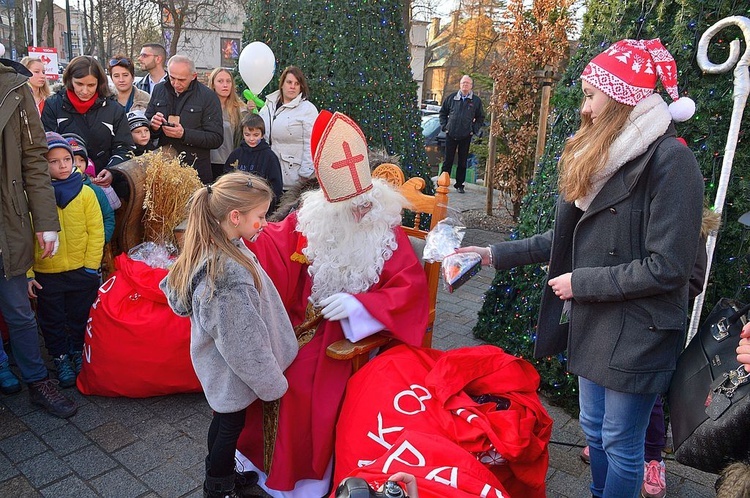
[(79, 105), (647, 121)]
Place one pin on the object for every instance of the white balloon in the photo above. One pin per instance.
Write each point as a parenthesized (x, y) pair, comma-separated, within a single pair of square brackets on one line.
[(2, 49), (257, 65)]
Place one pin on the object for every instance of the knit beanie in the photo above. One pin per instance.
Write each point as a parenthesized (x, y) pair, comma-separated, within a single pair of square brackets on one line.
[(339, 150), (55, 140), (136, 119), (77, 144), (628, 70)]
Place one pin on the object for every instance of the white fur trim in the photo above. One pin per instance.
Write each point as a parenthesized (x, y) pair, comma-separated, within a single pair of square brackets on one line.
[(647, 121), (682, 109)]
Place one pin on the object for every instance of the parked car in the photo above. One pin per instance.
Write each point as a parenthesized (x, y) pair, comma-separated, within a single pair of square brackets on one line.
[(434, 141)]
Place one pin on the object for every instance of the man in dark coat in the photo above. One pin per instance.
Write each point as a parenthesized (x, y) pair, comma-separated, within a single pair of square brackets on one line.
[(461, 117), (186, 116), (25, 193)]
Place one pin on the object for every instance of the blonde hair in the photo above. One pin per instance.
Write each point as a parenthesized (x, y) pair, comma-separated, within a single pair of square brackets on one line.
[(205, 239), (734, 481), (45, 91), (234, 105), (586, 153)]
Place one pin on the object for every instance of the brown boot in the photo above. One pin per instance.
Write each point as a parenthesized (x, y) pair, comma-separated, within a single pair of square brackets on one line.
[(46, 394)]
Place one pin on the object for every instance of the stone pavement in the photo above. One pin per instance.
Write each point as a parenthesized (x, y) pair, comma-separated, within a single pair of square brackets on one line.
[(121, 448)]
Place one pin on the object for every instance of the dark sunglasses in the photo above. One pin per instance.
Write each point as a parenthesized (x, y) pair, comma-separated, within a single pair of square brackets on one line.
[(115, 62)]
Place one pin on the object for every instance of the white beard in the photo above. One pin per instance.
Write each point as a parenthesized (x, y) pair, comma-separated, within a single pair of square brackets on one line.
[(346, 255)]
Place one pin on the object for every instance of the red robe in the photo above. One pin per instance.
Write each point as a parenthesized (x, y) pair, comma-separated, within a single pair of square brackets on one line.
[(309, 409)]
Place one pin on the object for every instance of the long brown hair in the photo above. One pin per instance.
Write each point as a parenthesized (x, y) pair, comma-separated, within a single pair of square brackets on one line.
[(205, 239), (587, 151), (234, 105)]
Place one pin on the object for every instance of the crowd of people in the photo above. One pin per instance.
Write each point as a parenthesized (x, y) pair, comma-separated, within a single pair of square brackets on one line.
[(339, 266)]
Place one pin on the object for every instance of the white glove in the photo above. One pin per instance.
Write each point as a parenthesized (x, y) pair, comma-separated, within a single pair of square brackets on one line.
[(52, 237), (339, 306)]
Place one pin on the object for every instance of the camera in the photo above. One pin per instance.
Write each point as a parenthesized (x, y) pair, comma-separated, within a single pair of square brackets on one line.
[(167, 123), (355, 487)]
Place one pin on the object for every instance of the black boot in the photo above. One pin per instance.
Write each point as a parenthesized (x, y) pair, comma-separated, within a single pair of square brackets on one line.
[(244, 481), (219, 487)]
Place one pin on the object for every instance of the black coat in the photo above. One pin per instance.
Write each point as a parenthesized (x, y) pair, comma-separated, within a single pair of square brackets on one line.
[(200, 115), (461, 118), (259, 160), (631, 254), (104, 127)]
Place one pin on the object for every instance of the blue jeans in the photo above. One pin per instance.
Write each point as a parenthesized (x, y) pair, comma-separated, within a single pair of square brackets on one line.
[(24, 335), (615, 427)]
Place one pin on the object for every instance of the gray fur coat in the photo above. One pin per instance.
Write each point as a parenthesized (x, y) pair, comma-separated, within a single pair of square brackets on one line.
[(241, 340)]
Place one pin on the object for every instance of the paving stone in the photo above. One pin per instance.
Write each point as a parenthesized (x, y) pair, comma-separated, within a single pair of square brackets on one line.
[(66, 439), (7, 470), (69, 487), (169, 481), (44, 469), (156, 431), (111, 436), (89, 416), (118, 484), (19, 403), (185, 452), (22, 446), (18, 487), (562, 484), (173, 409), (141, 457), (89, 462), (40, 422), (10, 424), (196, 426)]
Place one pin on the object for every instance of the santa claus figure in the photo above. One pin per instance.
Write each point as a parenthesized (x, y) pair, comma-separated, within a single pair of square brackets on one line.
[(343, 268)]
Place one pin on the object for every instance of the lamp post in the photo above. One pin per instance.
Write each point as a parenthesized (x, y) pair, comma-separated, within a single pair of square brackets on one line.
[(547, 78), (69, 47)]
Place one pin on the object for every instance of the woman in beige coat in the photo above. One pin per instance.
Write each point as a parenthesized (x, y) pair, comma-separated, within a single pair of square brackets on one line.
[(122, 72)]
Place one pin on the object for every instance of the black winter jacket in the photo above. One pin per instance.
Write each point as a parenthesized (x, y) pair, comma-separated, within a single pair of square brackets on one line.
[(461, 118), (200, 115), (260, 160), (104, 127)]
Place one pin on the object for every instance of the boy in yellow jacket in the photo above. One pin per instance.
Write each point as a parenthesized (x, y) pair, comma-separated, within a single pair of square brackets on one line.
[(66, 284)]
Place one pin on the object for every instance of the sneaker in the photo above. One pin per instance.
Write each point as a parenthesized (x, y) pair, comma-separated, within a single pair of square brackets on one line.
[(65, 372), (76, 358), (46, 394), (585, 455), (654, 480), (9, 383)]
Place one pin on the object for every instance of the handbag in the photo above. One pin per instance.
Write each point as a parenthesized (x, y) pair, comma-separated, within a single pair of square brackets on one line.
[(708, 397)]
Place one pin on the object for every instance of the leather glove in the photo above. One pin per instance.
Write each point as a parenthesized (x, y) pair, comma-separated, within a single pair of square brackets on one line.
[(339, 306), (52, 237)]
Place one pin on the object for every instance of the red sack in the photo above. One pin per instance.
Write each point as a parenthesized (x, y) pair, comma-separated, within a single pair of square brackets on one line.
[(135, 346)]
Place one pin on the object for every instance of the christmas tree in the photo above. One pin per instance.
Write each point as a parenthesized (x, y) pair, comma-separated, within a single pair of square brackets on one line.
[(706, 134), (355, 57)]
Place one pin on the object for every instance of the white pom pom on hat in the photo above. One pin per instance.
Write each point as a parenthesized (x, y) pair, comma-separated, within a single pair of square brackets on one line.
[(682, 109)]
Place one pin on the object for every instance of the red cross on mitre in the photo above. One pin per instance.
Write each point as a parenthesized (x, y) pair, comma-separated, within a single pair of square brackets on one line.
[(340, 157)]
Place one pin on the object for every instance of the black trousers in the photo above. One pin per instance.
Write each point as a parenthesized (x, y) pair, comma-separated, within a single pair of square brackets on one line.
[(223, 434), (462, 146), (63, 305)]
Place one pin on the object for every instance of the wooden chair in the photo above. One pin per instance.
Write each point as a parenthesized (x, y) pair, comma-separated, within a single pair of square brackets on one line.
[(421, 204)]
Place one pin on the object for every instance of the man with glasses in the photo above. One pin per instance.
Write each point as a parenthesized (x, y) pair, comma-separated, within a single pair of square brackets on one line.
[(185, 115), (151, 59)]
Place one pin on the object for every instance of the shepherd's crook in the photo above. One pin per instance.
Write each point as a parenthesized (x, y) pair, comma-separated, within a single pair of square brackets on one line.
[(741, 90)]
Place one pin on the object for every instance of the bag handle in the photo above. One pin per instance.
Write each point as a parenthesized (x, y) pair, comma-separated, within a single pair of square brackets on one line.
[(738, 314)]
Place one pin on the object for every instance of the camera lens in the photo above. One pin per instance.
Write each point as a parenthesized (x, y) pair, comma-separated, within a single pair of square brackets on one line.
[(392, 490)]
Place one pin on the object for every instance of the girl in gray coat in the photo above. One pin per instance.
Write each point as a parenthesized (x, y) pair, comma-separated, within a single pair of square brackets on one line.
[(620, 254), (241, 340)]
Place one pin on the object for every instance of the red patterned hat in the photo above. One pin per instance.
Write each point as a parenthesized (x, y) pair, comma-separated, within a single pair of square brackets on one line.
[(627, 72), (339, 152)]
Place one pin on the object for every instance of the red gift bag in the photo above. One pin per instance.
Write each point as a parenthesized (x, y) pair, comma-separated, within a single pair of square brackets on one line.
[(135, 346)]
